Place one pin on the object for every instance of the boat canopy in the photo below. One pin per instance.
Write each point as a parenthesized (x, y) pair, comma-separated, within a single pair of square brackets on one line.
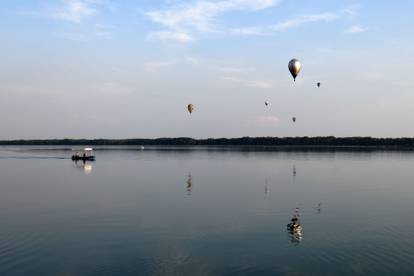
[(84, 149)]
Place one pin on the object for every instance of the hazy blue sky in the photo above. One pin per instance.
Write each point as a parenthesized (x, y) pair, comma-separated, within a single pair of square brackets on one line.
[(108, 68)]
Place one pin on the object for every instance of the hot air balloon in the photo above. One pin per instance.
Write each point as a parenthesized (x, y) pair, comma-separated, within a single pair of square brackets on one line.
[(318, 84), (294, 68), (294, 119), (267, 103), (190, 108)]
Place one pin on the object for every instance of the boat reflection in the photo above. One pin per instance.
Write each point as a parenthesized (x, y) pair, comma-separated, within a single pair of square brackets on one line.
[(84, 165)]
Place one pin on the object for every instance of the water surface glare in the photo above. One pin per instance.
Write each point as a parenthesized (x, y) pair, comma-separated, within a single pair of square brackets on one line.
[(179, 211)]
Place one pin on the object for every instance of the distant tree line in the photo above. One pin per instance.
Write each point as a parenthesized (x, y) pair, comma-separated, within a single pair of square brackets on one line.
[(243, 141)]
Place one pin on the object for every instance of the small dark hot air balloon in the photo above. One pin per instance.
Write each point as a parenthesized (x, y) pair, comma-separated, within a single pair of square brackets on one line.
[(190, 108), (267, 103), (318, 84), (294, 119)]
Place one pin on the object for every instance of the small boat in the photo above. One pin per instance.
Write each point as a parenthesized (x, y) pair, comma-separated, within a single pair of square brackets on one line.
[(83, 155)]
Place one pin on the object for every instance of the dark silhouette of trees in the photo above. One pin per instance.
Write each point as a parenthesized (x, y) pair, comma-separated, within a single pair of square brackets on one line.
[(325, 141)]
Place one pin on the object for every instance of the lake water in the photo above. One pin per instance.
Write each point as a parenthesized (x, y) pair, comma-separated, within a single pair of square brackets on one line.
[(176, 211)]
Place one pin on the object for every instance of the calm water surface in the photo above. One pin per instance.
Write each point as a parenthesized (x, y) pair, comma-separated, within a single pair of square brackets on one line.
[(206, 212)]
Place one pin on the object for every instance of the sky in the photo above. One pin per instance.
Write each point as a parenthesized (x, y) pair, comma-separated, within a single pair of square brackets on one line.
[(126, 69)]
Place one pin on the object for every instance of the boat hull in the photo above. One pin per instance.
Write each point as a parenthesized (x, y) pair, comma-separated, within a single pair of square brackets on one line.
[(83, 158)]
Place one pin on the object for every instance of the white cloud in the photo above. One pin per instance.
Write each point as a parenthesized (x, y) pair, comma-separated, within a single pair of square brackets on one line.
[(166, 36), (77, 10), (192, 60), (295, 22), (351, 10), (267, 120), (285, 25), (243, 76), (113, 88), (356, 29), (158, 65), (155, 66), (98, 32), (263, 84), (181, 22), (234, 69), (74, 36), (103, 31), (199, 16), (249, 31)]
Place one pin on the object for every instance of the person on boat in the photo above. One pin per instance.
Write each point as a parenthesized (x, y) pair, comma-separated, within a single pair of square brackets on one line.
[(84, 155)]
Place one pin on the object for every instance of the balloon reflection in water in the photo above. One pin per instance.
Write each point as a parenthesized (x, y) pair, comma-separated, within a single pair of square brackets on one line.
[(319, 207), (267, 188), (189, 184), (294, 228)]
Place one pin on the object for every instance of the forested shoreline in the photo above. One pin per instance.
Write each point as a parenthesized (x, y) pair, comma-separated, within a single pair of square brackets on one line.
[(326, 141)]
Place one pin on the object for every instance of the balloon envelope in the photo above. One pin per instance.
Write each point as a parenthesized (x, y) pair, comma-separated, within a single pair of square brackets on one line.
[(294, 119), (318, 84), (190, 108), (267, 103), (294, 67)]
